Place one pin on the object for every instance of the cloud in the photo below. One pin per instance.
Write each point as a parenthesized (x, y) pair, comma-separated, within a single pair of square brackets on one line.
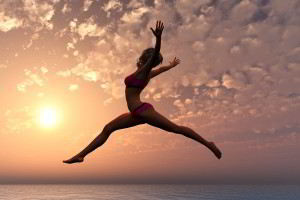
[(40, 13), (135, 15), (32, 14), (236, 55), (66, 8), (19, 119), (213, 83), (88, 28), (198, 46), (83, 70), (44, 70), (32, 79), (236, 81), (259, 15), (87, 4), (107, 101), (8, 23), (112, 5), (73, 87)]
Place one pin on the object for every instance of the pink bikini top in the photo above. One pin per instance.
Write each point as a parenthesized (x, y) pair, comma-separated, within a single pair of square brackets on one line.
[(131, 81)]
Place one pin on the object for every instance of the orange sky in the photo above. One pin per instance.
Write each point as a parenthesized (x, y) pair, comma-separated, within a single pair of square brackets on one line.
[(238, 85)]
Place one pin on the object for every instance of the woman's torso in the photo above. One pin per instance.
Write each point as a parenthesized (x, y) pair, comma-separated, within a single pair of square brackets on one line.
[(133, 93)]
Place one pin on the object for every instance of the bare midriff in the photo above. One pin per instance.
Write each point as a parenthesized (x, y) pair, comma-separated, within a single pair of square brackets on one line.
[(133, 98)]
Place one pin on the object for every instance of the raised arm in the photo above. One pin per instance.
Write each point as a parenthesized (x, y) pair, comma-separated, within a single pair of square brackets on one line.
[(162, 69), (157, 33)]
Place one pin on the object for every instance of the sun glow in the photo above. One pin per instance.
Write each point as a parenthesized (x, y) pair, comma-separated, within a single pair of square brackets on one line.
[(48, 117)]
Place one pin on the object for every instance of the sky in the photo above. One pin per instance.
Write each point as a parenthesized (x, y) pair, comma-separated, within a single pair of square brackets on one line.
[(62, 70)]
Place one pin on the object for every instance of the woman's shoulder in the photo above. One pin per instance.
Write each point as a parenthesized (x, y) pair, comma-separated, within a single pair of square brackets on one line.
[(141, 74)]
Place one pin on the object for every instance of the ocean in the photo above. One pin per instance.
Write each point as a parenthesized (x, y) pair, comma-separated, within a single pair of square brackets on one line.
[(151, 192)]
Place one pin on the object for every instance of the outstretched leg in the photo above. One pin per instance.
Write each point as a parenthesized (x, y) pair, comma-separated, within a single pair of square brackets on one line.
[(125, 120), (152, 117)]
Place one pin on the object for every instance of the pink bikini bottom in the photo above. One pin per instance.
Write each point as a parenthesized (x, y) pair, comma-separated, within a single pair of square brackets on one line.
[(140, 109)]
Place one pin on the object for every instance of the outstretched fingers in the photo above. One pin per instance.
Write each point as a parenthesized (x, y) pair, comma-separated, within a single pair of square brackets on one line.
[(159, 25), (174, 62), (158, 29), (152, 30)]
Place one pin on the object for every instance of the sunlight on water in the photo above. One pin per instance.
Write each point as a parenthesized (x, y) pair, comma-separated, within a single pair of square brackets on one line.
[(151, 192)]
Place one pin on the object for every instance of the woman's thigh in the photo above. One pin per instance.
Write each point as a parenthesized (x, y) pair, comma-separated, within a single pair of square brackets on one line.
[(125, 120), (154, 118)]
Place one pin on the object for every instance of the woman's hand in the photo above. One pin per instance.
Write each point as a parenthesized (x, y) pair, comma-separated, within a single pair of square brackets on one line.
[(174, 62), (158, 30)]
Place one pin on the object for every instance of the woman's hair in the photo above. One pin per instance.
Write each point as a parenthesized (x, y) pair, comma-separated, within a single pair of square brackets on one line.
[(147, 53)]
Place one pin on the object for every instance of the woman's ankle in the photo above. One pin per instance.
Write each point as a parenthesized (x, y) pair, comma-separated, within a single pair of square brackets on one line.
[(80, 156)]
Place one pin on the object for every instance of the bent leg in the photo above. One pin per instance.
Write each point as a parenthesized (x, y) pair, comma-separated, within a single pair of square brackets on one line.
[(153, 118), (125, 120)]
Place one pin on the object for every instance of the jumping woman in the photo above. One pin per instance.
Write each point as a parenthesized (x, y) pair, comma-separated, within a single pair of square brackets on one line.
[(141, 112)]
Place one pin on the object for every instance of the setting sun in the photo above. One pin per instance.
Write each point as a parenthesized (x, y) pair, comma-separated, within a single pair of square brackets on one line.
[(48, 117)]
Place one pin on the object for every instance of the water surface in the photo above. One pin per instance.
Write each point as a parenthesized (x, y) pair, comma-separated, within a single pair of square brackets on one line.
[(151, 192)]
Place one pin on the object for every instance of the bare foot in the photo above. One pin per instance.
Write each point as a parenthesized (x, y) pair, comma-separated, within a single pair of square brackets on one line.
[(75, 159), (214, 149)]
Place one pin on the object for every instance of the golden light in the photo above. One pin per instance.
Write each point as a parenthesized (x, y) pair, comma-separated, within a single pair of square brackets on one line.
[(48, 117)]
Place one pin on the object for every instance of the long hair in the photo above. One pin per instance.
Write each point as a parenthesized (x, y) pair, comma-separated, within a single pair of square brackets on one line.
[(147, 53)]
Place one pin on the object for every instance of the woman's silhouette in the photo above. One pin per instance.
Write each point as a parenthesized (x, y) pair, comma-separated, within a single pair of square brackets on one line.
[(141, 113)]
